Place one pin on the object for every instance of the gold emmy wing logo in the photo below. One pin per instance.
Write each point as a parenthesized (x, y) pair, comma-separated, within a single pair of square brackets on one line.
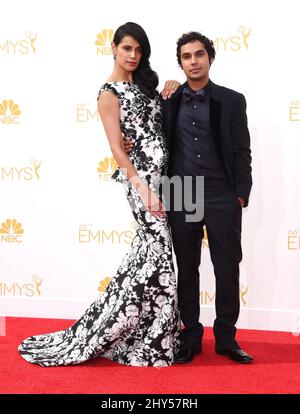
[(11, 231), (22, 289), (22, 47), (243, 293), (234, 43), (294, 240), (36, 165), (294, 112), (32, 38), (103, 284), (103, 42), (37, 281), (106, 168), (9, 112), (26, 173)]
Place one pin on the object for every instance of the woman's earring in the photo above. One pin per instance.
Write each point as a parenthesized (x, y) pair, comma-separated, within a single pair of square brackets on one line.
[(114, 57)]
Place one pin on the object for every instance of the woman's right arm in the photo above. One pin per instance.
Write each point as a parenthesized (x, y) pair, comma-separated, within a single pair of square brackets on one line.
[(109, 110)]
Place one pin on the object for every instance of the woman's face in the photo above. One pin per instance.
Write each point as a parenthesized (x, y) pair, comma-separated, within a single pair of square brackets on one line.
[(128, 53)]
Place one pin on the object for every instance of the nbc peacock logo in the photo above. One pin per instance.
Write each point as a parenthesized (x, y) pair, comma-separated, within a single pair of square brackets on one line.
[(106, 168), (11, 231), (9, 112), (235, 42), (103, 42), (104, 284)]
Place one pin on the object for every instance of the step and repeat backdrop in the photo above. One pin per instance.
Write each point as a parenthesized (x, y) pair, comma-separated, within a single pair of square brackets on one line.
[(64, 225)]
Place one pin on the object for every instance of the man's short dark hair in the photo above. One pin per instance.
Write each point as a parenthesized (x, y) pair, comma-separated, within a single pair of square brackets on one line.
[(192, 37)]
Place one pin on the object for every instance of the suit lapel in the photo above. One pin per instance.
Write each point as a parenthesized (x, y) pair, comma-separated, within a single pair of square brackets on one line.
[(174, 106), (215, 110), (215, 116)]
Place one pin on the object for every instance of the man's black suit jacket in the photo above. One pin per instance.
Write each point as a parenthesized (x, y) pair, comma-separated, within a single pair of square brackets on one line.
[(228, 121)]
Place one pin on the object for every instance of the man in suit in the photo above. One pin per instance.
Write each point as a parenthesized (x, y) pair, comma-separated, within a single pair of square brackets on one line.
[(207, 133), (206, 129)]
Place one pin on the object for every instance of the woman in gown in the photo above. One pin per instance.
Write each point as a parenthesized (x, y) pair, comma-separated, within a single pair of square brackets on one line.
[(136, 321)]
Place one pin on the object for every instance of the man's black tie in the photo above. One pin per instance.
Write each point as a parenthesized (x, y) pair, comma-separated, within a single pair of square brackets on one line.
[(188, 95)]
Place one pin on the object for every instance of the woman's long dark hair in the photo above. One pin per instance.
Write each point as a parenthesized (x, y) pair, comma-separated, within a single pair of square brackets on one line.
[(143, 76)]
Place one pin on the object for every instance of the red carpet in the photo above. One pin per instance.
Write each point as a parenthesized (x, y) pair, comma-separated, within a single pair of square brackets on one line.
[(276, 369)]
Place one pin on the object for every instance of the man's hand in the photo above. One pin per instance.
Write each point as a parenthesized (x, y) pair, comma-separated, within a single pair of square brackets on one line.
[(242, 201), (170, 87)]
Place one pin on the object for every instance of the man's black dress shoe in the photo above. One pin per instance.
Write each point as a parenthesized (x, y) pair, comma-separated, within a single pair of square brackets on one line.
[(186, 355), (237, 355)]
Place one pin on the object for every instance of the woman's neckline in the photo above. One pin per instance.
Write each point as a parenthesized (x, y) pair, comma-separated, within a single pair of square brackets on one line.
[(128, 82)]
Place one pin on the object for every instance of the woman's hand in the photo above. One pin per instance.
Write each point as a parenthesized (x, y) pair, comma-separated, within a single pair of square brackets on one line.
[(152, 202), (127, 144), (170, 87)]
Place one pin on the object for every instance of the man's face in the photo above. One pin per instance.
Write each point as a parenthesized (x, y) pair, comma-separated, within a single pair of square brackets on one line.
[(195, 61)]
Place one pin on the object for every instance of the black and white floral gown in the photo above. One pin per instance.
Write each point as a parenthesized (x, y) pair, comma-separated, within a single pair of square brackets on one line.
[(135, 322)]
